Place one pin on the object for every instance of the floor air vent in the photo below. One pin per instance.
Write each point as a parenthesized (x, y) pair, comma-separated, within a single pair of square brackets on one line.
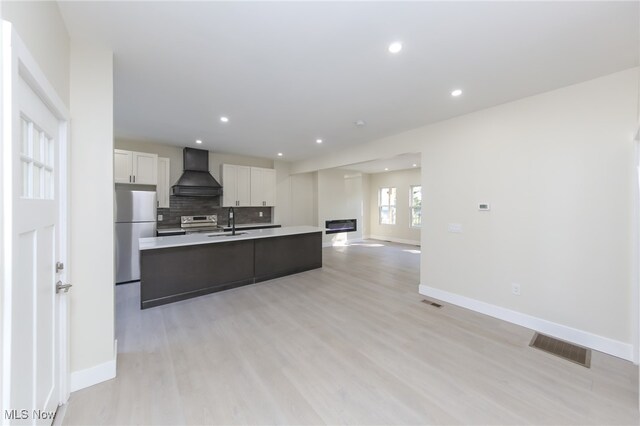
[(568, 351), (429, 302)]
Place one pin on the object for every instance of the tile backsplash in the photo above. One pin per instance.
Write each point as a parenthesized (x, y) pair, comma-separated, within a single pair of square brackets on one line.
[(193, 206)]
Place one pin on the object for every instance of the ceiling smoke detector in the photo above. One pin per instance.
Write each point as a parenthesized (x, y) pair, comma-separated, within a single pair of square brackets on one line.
[(359, 123)]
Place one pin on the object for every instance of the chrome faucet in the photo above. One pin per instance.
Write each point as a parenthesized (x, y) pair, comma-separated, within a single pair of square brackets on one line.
[(232, 221)]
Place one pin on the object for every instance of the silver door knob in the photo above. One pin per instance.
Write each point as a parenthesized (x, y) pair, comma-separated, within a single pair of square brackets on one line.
[(62, 288)]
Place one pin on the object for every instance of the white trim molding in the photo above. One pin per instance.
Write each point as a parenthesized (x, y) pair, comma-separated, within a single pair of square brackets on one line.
[(583, 338), (92, 376), (394, 240)]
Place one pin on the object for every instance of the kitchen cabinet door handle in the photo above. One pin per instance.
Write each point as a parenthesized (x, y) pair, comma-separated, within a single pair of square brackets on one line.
[(134, 179)]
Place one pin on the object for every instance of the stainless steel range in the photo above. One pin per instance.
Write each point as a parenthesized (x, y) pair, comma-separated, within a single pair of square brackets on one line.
[(200, 224)]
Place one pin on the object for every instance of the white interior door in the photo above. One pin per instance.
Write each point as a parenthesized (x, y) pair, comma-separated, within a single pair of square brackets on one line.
[(35, 241)]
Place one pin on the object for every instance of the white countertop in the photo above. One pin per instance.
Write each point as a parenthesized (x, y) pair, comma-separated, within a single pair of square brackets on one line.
[(196, 239)]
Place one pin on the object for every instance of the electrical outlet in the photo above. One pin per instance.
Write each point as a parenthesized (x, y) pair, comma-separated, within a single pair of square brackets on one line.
[(515, 289), (159, 218), (260, 214)]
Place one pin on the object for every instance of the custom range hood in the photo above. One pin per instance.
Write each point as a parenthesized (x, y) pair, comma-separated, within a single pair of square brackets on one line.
[(196, 181)]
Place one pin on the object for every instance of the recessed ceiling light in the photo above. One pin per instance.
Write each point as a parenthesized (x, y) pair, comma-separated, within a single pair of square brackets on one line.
[(224, 119), (198, 141), (456, 92), (386, 169), (318, 140), (280, 154), (415, 165), (395, 47)]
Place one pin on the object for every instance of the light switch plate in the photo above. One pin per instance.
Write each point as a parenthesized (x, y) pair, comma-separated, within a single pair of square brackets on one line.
[(159, 218), (455, 228)]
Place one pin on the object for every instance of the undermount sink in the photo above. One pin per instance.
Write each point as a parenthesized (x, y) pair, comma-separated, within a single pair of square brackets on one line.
[(227, 234)]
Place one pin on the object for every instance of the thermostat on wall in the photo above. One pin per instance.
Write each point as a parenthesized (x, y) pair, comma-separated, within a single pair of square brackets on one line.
[(484, 206)]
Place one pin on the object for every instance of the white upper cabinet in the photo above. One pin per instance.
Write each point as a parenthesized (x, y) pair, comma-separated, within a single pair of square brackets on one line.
[(135, 167), (145, 168), (236, 186), (162, 189), (122, 166), (263, 187), (244, 186)]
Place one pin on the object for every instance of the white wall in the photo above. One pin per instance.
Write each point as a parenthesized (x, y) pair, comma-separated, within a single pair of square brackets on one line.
[(340, 196), (92, 233), (304, 199), (367, 203), (558, 169), (402, 231), (41, 27), (558, 172), (282, 211), (297, 197)]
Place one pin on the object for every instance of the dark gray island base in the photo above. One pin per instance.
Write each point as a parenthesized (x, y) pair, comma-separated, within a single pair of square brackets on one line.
[(181, 272)]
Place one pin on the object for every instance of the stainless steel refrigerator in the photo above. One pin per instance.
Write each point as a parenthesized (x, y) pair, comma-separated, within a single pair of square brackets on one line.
[(135, 218)]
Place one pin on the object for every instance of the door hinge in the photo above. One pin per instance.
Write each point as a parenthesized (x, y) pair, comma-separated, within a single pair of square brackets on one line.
[(62, 288), (59, 267)]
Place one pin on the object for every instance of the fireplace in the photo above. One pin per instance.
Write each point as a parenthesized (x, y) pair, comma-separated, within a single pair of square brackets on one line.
[(340, 225)]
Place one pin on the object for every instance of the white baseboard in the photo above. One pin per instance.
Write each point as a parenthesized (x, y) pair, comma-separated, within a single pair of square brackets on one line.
[(394, 240), (97, 374), (583, 338)]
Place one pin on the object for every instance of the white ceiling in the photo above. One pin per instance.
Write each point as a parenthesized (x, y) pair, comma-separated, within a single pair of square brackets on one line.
[(287, 73), (399, 162)]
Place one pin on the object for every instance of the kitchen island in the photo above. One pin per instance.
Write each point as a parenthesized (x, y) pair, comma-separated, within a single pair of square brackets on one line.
[(180, 267)]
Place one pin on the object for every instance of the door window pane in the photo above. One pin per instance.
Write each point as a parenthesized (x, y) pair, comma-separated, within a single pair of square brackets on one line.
[(24, 146), (37, 145), (37, 181), (37, 162), (50, 160)]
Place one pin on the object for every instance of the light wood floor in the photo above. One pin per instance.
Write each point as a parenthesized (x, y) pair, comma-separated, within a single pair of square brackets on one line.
[(348, 344)]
